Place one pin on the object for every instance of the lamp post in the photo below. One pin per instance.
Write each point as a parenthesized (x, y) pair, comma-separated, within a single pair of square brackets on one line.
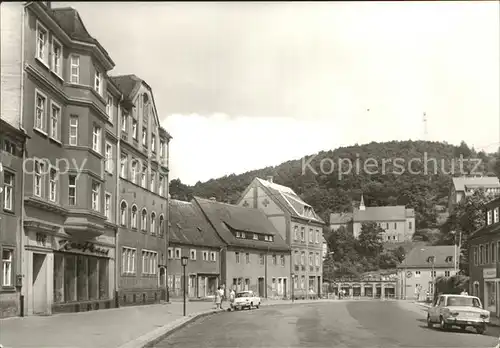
[(184, 262), (293, 285)]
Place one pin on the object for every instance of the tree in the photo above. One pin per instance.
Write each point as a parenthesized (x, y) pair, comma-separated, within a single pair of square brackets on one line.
[(180, 191), (343, 259), (370, 240)]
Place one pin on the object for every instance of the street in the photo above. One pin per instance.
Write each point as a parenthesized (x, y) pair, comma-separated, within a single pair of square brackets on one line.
[(339, 325)]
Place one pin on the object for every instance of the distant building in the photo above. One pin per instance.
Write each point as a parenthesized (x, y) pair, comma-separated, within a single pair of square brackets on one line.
[(465, 186), (484, 256), (398, 222), (299, 226), (192, 235), (420, 268), (255, 256)]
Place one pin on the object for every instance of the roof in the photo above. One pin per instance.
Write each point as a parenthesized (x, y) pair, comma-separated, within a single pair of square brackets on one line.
[(461, 183), (340, 218), (389, 213), (70, 21), (189, 226), (289, 200), (223, 216), (422, 257), (488, 230)]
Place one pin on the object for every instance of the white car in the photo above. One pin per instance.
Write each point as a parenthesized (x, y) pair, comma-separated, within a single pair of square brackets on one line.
[(458, 310), (246, 299)]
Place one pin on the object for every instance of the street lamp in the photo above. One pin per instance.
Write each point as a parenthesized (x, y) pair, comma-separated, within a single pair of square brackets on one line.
[(293, 285), (184, 262)]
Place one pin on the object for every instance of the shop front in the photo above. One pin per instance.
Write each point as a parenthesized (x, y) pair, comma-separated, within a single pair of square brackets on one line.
[(491, 289), (67, 275)]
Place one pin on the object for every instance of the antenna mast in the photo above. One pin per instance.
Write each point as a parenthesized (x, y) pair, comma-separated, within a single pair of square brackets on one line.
[(425, 126)]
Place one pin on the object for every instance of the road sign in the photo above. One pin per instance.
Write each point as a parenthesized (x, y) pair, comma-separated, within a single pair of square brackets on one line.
[(408, 274)]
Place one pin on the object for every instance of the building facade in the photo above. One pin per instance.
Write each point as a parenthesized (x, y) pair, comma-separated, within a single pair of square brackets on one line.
[(141, 172), (74, 115), (299, 226), (12, 141), (191, 235), (484, 256), (421, 267), (398, 222), (465, 186), (255, 256)]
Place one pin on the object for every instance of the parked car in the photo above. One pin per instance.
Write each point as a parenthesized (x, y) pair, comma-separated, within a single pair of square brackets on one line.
[(498, 343), (246, 299), (458, 310)]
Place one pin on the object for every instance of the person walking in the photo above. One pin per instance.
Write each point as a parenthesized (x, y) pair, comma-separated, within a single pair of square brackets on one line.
[(232, 296), (218, 299), (222, 295)]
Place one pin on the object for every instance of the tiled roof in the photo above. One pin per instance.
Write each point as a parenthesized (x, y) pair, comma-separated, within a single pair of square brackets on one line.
[(288, 199), (421, 257), (390, 213), (70, 21), (340, 218), (461, 183), (222, 215), (189, 226)]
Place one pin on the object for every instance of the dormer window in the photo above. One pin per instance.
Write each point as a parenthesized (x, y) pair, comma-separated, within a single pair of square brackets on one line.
[(449, 259), (243, 235), (255, 236), (490, 217), (238, 234)]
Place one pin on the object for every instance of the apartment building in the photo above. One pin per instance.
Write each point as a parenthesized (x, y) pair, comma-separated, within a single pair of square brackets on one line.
[(74, 117), (466, 185)]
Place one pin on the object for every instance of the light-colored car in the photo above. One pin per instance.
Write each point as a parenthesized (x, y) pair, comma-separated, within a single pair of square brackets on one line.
[(246, 299), (458, 310), (498, 343)]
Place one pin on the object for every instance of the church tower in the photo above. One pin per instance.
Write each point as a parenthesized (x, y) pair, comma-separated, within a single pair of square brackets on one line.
[(362, 203)]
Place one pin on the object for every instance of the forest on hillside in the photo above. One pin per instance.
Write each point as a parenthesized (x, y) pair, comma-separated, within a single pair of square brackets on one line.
[(389, 173)]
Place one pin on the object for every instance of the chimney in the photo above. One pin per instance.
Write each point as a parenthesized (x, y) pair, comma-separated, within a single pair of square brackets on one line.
[(213, 199), (270, 178)]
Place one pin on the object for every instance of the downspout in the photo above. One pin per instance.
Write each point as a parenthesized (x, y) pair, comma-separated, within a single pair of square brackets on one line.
[(20, 253), (117, 203), (167, 219)]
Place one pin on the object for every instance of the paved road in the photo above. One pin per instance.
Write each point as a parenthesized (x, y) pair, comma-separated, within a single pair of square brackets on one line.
[(339, 325)]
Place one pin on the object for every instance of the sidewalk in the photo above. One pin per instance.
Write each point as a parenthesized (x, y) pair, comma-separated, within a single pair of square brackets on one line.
[(125, 327)]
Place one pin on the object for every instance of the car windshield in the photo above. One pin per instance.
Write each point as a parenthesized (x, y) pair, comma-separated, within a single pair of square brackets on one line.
[(463, 301), (243, 294)]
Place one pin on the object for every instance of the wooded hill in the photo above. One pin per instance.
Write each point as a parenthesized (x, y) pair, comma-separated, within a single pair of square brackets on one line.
[(395, 173)]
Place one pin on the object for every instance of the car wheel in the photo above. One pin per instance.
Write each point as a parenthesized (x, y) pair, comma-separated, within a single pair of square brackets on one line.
[(257, 305), (481, 329), (251, 305), (430, 325), (442, 324)]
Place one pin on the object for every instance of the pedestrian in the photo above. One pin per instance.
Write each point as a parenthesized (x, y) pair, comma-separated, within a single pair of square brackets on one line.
[(222, 295), (232, 296), (218, 299)]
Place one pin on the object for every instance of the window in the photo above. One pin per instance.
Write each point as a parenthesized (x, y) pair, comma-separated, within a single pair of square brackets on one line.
[(73, 130), (98, 81), (109, 158), (261, 259), (153, 142), (487, 254), (205, 256), (446, 273), (53, 185), (144, 136), (409, 225), (134, 217), (282, 260), (124, 122), (303, 234), (247, 257), (152, 182), (311, 235), (96, 195), (8, 191), (213, 256), (57, 58), (72, 190), (144, 219), (160, 186), (75, 69), (128, 260), (123, 213), (296, 232), (311, 261), (417, 274), (170, 253), (143, 176), (162, 149), (37, 182), (134, 129), (161, 225), (153, 223), (96, 139), (255, 236), (493, 253), (481, 254), (475, 255), (274, 259), (107, 206), (134, 170), (7, 255), (317, 236), (149, 262), (490, 215), (9, 147), (192, 254), (109, 107), (237, 256), (40, 111), (495, 215), (55, 116), (302, 258), (178, 253), (42, 39), (123, 165)]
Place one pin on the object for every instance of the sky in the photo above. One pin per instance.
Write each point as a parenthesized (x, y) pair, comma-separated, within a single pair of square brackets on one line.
[(241, 86)]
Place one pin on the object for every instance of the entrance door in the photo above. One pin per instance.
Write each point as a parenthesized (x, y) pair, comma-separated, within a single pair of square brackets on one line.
[(261, 287), (162, 277), (192, 288), (284, 287), (39, 285)]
